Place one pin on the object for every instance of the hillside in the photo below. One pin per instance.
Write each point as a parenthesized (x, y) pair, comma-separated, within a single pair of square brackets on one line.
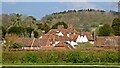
[(81, 18)]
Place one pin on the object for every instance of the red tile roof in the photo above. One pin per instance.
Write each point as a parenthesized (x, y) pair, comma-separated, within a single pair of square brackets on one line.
[(25, 41), (88, 34), (60, 44)]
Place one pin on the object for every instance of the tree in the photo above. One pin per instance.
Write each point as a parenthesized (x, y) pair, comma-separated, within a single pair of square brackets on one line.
[(18, 24), (17, 30), (36, 34), (6, 21), (29, 21), (105, 30), (44, 27), (29, 31), (3, 32), (60, 23), (116, 26), (11, 20)]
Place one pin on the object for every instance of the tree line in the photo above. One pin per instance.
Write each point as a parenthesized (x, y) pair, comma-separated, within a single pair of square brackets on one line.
[(23, 25)]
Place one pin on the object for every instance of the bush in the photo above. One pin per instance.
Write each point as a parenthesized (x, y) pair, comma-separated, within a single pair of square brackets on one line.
[(69, 57), (16, 45), (30, 58)]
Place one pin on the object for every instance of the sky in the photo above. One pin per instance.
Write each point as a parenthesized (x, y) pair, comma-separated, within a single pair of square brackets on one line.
[(40, 8), (59, 0)]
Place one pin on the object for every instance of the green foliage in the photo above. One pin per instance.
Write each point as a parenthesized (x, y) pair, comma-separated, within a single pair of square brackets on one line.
[(116, 26), (30, 58), (16, 45), (94, 24), (3, 32), (74, 57), (49, 19), (105, 30), (55, 26), (29, 21), (16, 30), (23, 31), (44, 27), (36, 35), (29, 31), (18, 24)]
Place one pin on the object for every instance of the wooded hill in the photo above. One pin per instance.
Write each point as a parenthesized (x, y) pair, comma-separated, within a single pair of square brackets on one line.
[(81, 18)]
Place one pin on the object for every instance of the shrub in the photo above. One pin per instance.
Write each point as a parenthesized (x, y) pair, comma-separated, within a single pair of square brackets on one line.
[(72, 57), (30, 58), (16, 45)]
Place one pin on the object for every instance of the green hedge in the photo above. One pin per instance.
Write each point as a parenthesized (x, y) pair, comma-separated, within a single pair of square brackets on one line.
[(73, 57)]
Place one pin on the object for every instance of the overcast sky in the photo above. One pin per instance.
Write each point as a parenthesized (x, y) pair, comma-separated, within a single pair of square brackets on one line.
[(40, 9)]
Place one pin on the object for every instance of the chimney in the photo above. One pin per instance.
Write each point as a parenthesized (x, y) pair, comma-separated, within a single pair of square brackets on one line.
[(32, 34)]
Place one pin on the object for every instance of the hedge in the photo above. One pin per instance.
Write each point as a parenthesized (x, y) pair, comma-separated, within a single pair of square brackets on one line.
[(75, 57)]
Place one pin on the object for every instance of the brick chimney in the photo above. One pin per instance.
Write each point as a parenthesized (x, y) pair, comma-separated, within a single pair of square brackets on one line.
[(32, 34)]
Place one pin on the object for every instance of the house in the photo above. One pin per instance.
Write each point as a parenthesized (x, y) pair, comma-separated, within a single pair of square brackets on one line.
[(83, 37), (58, 39), (107, 40)]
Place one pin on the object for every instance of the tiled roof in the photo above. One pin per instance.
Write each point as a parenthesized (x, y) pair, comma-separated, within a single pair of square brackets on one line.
[(46, 39), (63, 44), (75, 38), (25, 41), (60, 44), (107, 40), (54, 31), (88, 34)]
